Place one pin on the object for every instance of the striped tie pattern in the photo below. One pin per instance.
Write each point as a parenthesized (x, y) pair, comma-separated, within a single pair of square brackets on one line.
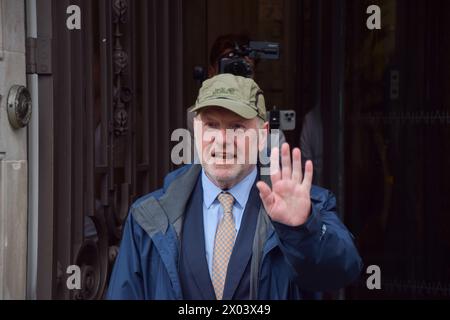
[(223, 244)]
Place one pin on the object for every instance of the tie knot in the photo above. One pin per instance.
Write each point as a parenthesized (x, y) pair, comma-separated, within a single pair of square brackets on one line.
[(227, 201)]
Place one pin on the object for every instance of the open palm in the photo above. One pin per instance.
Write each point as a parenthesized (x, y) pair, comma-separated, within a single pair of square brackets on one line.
[(289, 200)]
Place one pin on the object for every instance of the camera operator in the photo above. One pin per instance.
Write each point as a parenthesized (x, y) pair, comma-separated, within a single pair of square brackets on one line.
[(224, 47)]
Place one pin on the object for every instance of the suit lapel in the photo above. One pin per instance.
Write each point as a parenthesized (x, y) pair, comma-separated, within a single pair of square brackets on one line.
[(242, 250), (194, 244)]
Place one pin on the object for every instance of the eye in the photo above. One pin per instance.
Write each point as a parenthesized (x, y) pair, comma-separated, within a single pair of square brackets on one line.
[(238, 126), (212, 125)]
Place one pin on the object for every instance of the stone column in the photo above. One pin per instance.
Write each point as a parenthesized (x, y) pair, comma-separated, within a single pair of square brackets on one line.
[(13, 156)]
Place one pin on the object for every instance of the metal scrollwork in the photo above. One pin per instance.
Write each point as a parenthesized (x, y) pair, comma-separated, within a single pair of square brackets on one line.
[(94, 260), (98, 250), (120, 8), (103, 226), (120, 58)]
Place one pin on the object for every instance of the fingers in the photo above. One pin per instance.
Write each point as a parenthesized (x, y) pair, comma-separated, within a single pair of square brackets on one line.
[(297, 165), (289, 170), (264, 189), (307, 181), (275, 173), (286, 172), (265, 193)]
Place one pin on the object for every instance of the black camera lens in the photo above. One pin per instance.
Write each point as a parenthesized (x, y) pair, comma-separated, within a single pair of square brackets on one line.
[(239, 68), (235, 65)]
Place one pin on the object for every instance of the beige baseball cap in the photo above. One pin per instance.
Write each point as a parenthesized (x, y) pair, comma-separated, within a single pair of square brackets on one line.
[(235, 93)]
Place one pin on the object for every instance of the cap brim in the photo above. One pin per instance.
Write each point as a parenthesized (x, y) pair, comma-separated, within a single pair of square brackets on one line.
[(240, 109)]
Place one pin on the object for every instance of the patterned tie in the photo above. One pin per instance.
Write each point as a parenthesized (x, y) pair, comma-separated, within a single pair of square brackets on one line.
[(223, 244)]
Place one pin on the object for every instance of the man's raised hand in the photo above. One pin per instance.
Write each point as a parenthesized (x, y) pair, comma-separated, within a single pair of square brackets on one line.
[(288, 202)]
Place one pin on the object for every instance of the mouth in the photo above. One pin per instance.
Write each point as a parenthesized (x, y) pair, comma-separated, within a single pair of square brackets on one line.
[(223, 156)]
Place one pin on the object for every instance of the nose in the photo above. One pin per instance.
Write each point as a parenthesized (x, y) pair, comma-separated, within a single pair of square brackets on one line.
[(221, 136)]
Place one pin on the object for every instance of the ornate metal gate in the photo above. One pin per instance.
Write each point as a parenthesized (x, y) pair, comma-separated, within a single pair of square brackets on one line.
[(111, 103)]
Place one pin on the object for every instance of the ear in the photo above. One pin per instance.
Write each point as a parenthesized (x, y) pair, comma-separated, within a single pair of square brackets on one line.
[(263, 133), (196, 122), (212, 70)]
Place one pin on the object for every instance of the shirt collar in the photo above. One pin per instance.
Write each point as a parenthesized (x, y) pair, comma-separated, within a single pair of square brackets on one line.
[(240, 191)]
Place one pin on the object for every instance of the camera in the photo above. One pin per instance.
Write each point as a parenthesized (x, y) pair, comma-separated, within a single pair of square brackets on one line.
[(234, 62), (281, 119)]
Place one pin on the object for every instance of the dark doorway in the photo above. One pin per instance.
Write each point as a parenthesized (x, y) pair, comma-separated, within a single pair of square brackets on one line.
[(122, 84)]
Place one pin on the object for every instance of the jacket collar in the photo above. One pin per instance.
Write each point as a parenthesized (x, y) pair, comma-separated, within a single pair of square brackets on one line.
[(155, 215), (240, 192)]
